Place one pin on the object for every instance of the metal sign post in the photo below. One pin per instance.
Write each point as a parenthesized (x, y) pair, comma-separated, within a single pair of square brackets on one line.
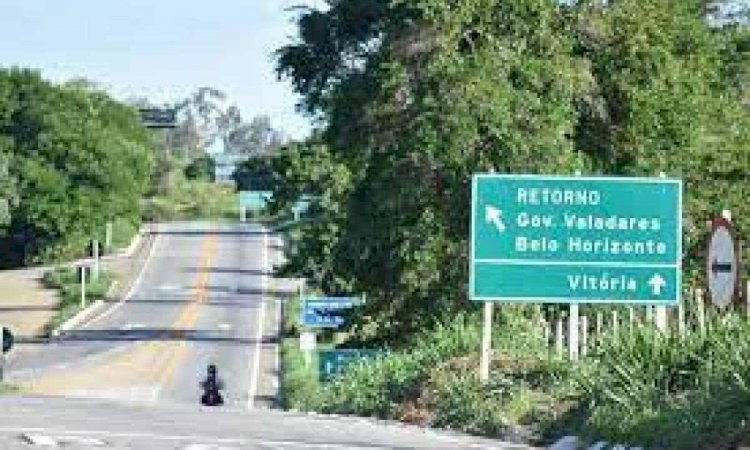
[(484, 362), (307, 344)]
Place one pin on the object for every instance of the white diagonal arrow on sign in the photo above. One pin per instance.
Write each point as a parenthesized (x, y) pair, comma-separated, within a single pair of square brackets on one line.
[(494, 216)]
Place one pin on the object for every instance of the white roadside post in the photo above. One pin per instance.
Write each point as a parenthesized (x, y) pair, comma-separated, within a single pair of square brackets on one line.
[(573, 332), (701, 313), (243, 213), (484, 363), (584, 335), (615, 323), (108, 237), (681, 318), (559, 344), (95, 254), (307, 343), (661, 319), (83, 286)]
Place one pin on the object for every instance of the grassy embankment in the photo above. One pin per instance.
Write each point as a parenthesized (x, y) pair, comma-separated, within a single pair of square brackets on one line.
[(66, 280), (635, 385)]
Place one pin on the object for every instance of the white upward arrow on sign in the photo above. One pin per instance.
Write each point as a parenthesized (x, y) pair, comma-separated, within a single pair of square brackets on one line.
[(494, 216), (657, 283)]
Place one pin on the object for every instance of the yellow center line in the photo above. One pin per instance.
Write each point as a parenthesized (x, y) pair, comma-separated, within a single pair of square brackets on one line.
[(138, 365), (189, 316)]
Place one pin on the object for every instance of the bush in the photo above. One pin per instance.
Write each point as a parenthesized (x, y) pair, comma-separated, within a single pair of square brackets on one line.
[(299, 383)]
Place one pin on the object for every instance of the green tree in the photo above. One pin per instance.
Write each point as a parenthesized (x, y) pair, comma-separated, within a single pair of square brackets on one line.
[(80, 159), (415, 97), (202, 168)]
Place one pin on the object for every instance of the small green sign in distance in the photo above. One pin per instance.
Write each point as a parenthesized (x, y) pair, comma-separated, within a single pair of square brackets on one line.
[(576, 239)]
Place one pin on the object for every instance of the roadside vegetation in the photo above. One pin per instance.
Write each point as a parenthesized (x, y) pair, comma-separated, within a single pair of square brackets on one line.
[(71, 159), (67, 281), (183, 198), (413, 100)]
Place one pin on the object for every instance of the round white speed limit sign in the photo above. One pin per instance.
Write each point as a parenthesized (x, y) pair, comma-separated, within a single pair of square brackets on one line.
[(721, 264)]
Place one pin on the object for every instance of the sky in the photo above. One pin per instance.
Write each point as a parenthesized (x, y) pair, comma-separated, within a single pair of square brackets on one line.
[(160, 49)]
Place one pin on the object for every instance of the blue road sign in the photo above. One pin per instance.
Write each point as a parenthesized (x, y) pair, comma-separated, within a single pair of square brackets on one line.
[(332, 363), (325, 312), (576, 239)]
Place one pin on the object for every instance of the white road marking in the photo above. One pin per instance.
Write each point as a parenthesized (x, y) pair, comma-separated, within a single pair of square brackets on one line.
[(131, 291), (208, 447), (137, 282), (111, 434), (196, 440), (137, 394), (255, 374), (39, 440)]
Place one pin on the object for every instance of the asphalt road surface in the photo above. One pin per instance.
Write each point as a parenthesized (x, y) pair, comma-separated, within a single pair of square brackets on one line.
[(74, 424), (129, 377), (204, 296)]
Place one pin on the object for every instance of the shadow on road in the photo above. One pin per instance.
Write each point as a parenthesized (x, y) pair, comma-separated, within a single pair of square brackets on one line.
[(23, 308), (158, 334), (231, 295), (228, 270), (194, 233)]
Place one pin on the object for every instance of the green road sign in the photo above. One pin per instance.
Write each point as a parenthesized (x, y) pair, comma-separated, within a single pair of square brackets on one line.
[(576, 239), (255, 200), (334, 362)]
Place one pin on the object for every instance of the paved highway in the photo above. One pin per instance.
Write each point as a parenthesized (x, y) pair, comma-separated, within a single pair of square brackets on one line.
[(205, 295), (74, 424), (128, 379)]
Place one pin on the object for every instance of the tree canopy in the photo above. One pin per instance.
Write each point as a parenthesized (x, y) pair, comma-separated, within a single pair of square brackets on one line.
[(71, 159), (415, 97)]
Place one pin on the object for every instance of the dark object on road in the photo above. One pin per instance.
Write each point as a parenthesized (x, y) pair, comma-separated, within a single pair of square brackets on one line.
[(7, 340), (211, 387)]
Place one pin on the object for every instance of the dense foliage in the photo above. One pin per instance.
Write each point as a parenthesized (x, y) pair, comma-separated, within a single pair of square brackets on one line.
[(71, 159), (415, 97), (201, 168), (181, 198)]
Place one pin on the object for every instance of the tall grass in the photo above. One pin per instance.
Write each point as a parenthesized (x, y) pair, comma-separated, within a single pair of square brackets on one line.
[(669, 391)]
